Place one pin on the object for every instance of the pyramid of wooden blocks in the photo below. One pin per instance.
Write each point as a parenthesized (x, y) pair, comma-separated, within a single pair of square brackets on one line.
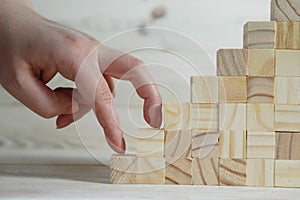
[(241, 128)]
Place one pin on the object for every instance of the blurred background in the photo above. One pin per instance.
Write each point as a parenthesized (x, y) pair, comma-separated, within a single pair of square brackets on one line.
[(182, 42)]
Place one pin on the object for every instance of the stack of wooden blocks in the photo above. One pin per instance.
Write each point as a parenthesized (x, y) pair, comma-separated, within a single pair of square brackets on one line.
[(241, 128)]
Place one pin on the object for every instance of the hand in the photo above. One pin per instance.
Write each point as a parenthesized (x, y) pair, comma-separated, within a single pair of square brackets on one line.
[(33, 50)]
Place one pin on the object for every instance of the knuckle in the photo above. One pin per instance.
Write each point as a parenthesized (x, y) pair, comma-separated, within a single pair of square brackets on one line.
[(48, 113)]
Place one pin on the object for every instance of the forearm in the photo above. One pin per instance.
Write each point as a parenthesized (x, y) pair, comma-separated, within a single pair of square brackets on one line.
[(24, 2)]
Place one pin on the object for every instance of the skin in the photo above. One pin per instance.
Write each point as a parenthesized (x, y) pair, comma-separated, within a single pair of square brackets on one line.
[(33, 50)]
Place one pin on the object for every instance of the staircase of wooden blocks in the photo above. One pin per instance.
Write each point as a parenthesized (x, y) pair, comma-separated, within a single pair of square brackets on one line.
[(242, 127)]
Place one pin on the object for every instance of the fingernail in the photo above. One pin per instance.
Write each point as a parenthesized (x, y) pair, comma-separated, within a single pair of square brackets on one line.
[(63, 124), (123, 145), (155, 115)]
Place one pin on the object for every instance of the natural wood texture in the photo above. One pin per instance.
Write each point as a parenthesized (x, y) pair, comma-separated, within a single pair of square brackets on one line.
[(205, 171), (232, 172), (288, 35), (177, 116), (233, 89), (261, 145), (178, 143), (260, 90), (287, 90), (261, 62), (259, 35), (287, 118), (150, 142), (287, 63), (287, 146), (204, 89), (151, 170), (232, 144), (232, 116), (123, 170), (205, 144), (285, 10), (231, 62), (287, 173), (260, 172), (205, 116), (260, 117), (178, 171)]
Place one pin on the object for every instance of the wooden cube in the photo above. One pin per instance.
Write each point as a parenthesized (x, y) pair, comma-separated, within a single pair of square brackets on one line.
[(232, 172), (285, 10), (260, 90), (261, 62), (204, 89), (232, 144), (288, 35), (287, 118), (287, 63), (287, 146), (151, 170), (260, 117), (205, 171), (260, 172), (232, 62), (205, 144), (233, 89), (177, 116), (287, 173), (232, 116), (205, 116), (261, 145), (287, 90), (260, 35), (178, 144), (178, 171)]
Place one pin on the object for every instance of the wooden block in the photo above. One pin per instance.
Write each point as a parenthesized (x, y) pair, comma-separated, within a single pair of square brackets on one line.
[(233, 89), (260, 89), (287, 146), (205, 144), (232, 144), (287, 90), (287, 63), (260, 172), (232, 172), (287, 118), (178, 171), (150, 142), (123, 169), (288, 35), (261, 62), (285, 10), (205, 171), (260, 117), (205, 116), (151, 170), (178, 144), (231, 62), (204, 89), (232, 116), (177, 116), (287, 173), (261, 145), (259, 35)]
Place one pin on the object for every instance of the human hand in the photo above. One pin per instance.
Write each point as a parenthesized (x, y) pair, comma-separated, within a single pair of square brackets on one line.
[(33, 50)]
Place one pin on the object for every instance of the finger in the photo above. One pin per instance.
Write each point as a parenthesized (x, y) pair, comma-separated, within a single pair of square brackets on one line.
[(111, 84)]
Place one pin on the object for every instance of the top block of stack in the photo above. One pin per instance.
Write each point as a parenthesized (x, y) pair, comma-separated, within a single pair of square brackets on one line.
[(285, 10)]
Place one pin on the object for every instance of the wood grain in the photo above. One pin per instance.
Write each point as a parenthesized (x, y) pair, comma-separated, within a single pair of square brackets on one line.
[(287, 63), (178, 171), (287, 146), (205, 171), (204, 89), (205, 144), (259, 35), (233, 89), (287, 118), (151, 170), (260, 172), (287, 90), (177, 116), (261, 62), (260, 117), (261, 145), (232, 144), (232, 172), (287, 173), (288, 35), (231, 62), (285, 10), (260, 90), (205, 116), (150, 142), (123, 170), (232, 116), (178, 144)]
